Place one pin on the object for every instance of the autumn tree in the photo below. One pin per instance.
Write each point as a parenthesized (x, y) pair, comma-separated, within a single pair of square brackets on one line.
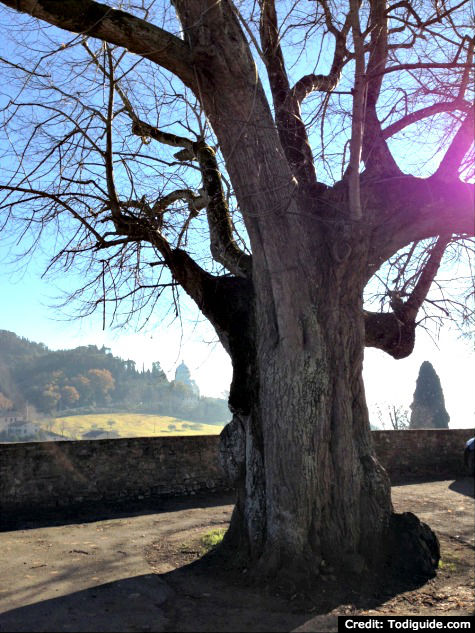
[(102, 382), (314, 148), (69, 395), (5, 403), (398, 417)]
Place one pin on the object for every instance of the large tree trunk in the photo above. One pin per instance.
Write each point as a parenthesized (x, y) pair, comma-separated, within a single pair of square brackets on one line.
[(310, 488), (299, 448)]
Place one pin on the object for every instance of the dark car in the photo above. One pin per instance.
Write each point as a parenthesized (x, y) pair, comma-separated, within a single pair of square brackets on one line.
[(468, 456)]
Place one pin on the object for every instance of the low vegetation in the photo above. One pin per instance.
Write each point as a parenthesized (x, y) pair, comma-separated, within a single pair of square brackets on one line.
[(212, 539), (96, 426)]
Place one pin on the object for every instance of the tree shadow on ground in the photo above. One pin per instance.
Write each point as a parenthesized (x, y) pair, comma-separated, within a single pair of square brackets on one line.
[(130, 604), (100, 511), (465, 486), (201, 596), (215, 596)]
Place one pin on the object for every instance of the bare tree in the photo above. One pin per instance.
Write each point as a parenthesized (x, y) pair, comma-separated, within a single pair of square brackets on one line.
[(296, 181), (395, 416)]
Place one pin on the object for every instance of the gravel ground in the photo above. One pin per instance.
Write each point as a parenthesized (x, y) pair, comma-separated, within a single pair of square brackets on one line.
[(129, 573)]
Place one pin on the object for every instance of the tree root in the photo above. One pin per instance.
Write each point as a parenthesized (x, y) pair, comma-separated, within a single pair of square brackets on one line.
[(413, 549), (409, 553)]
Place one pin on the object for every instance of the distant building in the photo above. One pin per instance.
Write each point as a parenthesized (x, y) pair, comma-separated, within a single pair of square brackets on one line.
[(10, 416), (15, 424), (21, 429), (183, 375)]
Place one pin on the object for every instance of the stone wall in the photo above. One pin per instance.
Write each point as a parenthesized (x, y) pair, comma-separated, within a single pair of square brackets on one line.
[(422, 453), (39, 476), (36, 476)]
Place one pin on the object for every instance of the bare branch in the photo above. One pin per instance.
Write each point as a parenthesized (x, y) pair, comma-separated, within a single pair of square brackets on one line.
[(423, 113), (292, 132), (394, 332), (58, 199), (461, 143), (358, 114), (427, 276), (116, 27), (325, 83), (375, 151), (223, 246), (419, 66)]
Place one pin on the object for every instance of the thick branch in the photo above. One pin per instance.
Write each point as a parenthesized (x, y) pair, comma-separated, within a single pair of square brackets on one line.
[(424, 113), (449, 167), (325, 83), (116, 27), (140, 128), (272, 52), (314, 83), (386, 332), (358, 114), (291, 128), (414, 209), (195, 201), (394, 332), (109, 159), (223, 246), (375, 152)]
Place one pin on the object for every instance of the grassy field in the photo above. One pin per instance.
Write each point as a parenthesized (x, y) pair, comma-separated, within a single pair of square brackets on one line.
[(127, 425)]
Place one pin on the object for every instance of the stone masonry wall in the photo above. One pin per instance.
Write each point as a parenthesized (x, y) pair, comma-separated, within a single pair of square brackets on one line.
[(428, 453), (37, 476)]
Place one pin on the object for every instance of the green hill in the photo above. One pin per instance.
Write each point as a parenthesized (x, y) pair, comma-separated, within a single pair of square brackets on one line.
[(88, 379)]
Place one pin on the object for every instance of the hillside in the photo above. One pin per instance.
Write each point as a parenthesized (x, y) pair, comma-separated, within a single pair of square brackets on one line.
[(89, 379), (112, 425)]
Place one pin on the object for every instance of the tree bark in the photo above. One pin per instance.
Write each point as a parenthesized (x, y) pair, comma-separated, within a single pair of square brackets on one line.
[(311, 492)]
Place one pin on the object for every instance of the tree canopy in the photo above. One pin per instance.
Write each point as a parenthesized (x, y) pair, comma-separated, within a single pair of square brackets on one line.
[(92, 132)]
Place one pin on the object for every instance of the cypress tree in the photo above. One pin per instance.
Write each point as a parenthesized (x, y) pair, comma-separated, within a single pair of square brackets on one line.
[(428, 406)]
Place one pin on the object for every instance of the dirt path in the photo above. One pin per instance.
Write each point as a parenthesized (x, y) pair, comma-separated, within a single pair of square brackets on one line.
[(133, 573)]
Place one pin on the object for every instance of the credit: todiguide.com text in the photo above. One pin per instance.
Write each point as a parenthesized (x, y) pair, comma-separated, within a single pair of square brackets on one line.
[(418, 623)]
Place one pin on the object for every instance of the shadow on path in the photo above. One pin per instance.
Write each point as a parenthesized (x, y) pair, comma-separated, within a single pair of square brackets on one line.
[(196, 597), (465, 486), (92, 512), (131, 604)]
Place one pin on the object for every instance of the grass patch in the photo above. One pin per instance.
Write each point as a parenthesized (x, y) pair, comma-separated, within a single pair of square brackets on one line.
[(126, 425), (212, 539), (447, 566)]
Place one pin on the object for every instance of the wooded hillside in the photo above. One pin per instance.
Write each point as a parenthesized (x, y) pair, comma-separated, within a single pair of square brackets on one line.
[(87, 378)]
